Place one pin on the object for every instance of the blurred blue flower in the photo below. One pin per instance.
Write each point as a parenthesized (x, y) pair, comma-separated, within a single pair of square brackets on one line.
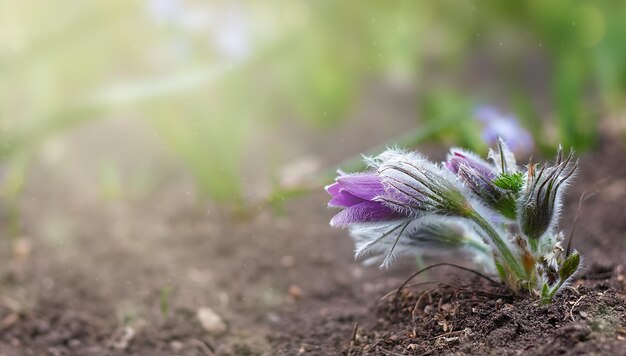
[(227, 27), (164, 11), (496, 124), (232, 35)]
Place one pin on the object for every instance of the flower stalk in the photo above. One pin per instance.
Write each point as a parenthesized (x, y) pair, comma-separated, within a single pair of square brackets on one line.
[(507, 256)]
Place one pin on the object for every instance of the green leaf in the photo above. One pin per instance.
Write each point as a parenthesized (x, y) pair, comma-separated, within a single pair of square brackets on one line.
[(510, 181), (569, 266)]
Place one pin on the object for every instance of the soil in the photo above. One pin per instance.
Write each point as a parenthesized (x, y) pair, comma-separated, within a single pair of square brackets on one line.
[(127, 276)]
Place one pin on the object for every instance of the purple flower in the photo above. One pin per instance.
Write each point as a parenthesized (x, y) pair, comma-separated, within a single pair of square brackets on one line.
[(474, 172), (507, 127), (394, 208), (405, 185), (478, 175), (460, 160), (357, 194)]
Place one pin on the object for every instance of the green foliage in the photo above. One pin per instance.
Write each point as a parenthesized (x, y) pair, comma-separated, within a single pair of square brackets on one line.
[(445, 105), (510, 181), (569, 266)]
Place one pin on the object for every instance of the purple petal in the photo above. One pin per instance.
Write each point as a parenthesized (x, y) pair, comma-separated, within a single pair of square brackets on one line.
[(345, 199), (368, 211), (474, 180), (363, 185), (340, 197), (333, 189), (458, 159), (452, 165)]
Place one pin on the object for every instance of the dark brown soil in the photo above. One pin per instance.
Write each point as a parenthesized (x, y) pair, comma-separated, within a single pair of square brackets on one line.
[(480, 319), (442, 320), (88, 275)]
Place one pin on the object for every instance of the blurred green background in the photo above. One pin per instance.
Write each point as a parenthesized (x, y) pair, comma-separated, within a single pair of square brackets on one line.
[(208, 78)]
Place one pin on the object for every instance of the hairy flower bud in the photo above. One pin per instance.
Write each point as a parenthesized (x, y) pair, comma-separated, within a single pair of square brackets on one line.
[(541, 197), (479, 176), (417, 187), (404, 185)]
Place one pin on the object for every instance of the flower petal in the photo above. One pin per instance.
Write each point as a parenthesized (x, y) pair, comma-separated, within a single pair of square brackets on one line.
[(345, 199), (367, 211), (363, 185), (458, 157), (333, 189)]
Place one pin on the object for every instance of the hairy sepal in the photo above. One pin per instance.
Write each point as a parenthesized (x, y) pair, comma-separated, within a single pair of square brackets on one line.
[(427, 235), (503, 158), (540, 202), (417, 187)]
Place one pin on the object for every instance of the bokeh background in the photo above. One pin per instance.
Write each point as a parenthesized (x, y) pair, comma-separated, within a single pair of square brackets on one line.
[(215, 81), (164, 140)]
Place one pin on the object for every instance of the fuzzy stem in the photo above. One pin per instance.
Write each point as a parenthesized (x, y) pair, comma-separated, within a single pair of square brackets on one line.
[(508, 257)]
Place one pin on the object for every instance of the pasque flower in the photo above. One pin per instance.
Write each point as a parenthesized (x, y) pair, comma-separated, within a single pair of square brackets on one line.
[(403, 185), (502, 216)]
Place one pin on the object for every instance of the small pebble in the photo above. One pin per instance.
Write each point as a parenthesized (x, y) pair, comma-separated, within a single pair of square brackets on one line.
[(583, 314), (21, 248), (176, 345), (295, 292), (211, 321), (273, 318), (357, 272)]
